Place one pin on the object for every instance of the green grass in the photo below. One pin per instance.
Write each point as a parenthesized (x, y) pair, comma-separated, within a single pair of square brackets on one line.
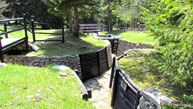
[(19, 86), (72, 45), (139, 60), (135, 36)]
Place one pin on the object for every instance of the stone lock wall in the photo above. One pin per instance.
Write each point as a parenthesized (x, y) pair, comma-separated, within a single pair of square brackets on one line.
[(73, 61), (125, 45), (20, 47)]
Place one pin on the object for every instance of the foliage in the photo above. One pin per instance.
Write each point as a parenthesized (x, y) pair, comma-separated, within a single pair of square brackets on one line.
[(94, 12), (32, 87), (36, 8), (62, 7), (171, 21), (3, 7), (126, 10)]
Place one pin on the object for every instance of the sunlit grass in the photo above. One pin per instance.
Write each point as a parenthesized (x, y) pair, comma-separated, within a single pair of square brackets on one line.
[(135, 36), (20, 86), (72, 45)]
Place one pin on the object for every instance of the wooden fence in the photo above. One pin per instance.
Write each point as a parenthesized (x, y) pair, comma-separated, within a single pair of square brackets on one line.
[(33, 31), (93, 64), (125, 94)]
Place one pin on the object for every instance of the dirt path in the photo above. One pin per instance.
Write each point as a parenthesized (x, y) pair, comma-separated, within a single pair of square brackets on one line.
[(101, 94)]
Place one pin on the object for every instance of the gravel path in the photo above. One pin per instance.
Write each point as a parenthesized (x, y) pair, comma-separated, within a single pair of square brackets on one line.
[(101, 93)]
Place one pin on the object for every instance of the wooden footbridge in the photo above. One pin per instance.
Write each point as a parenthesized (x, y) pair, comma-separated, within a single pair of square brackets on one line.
[(6, 43)]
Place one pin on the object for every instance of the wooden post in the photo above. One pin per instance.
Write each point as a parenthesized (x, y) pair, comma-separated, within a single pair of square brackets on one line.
[(32, 28), (5, 30), (85, 94), (107, 58), (26, 36), (1, 50), (62, 32), (112, 73), (99, 66), (114, 88)]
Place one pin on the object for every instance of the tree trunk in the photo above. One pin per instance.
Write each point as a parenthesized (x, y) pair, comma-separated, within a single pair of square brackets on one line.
[(76, 22), (70, 19), (109, 19)]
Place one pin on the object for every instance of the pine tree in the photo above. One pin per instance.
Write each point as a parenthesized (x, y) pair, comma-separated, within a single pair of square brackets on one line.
[(63, 7)]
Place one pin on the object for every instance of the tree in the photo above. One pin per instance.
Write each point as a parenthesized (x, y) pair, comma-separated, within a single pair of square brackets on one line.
[(17, 8), (3, 7), (171, 21), (127, 11), (62, 7)]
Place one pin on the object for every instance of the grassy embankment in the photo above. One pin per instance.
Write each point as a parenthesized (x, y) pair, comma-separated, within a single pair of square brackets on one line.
[(32, 87)]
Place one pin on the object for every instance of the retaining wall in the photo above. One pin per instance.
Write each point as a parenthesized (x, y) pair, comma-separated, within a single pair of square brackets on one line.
[(125, 45), (73, 61)]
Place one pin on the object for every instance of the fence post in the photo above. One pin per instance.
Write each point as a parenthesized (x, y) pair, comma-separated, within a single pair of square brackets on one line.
[(114, 87), (107, 58), (5, 30), (62, 31), (32, 28), (26, 36), (1, 51), (112, 72), (98, 60)]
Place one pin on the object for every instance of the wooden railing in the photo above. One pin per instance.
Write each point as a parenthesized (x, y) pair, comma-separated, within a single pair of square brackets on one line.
[(32, 30), (6, 32)]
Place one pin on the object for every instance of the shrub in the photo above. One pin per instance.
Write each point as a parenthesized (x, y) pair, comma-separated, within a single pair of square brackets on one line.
[(171, 21)]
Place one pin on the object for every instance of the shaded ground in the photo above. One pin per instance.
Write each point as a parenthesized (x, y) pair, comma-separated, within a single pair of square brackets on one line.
[(101, 93)]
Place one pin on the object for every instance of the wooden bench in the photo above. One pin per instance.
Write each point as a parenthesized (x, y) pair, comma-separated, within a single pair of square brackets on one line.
[(7, 43), (92, 28)]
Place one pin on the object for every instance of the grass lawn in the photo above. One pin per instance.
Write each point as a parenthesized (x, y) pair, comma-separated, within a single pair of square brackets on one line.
[(20, 87), (139, 60), (135, 36), (72, 45)]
